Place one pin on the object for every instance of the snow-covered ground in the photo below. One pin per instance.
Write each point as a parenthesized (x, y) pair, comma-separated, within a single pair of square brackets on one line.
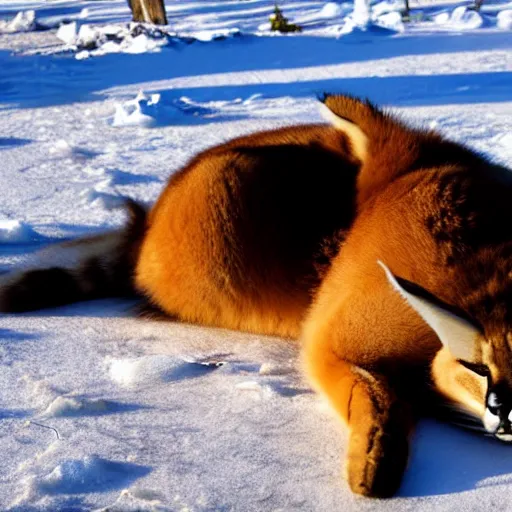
[(101, 410)]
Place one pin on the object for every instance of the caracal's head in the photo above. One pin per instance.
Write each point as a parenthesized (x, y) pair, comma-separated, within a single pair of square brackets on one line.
[(474, 366)]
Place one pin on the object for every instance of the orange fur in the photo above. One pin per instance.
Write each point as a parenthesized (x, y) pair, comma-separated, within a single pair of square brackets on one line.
[(227, 246)]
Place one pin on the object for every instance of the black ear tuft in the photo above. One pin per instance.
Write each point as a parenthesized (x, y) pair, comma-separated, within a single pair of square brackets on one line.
[(478, 368), (322, 96)]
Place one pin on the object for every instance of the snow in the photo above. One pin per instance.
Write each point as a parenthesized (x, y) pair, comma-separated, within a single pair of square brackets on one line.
[(16, 232), (71, 406), (67, 32), (88, 474), (148, 111), (331, 10), (100, 410), (464, 19), (392, 21), (146, 370), (143, 111), (24, 21), (504, 19), (361, 14)]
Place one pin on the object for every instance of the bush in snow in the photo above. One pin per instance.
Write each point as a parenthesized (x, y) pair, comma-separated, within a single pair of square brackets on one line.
[(279, 23)]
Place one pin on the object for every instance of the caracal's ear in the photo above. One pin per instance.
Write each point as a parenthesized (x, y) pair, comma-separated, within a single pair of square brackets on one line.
[(455, 332), (358, 139)]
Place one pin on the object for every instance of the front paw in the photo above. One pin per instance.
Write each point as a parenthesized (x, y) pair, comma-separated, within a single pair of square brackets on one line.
[(378, 450)]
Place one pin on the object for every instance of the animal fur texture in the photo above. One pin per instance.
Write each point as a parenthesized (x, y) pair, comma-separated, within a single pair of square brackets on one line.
[(385, 250)]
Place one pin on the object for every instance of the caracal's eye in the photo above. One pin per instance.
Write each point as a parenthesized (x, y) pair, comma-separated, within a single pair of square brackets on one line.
[(493, 402), (478, 368)]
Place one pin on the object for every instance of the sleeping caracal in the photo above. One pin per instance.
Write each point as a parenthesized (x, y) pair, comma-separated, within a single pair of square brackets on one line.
[(387, 250)]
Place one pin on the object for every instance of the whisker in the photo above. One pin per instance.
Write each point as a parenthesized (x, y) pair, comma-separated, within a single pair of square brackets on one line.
[(452, 413)]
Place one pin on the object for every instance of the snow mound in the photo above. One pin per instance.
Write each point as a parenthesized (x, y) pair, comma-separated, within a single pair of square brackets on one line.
[(442, 18), (331, 10), (67, 32), (392, 21), (275, 369), (145, 111), (24, 21), (70, 406), (149, 111), (504, 19), (386, 7), (361, 13), (16, 232), (137, 500), (206, 36), (152, 370), (98, 197), (90, 474), (384, 20), (105, 192), (61, 148), (134, 38), (464, 18), (360, 33), (461, 18)]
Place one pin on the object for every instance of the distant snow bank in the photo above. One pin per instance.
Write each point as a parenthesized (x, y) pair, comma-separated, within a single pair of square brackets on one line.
[(385, 18), (90, 40), (463, 18), (135, 38)]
